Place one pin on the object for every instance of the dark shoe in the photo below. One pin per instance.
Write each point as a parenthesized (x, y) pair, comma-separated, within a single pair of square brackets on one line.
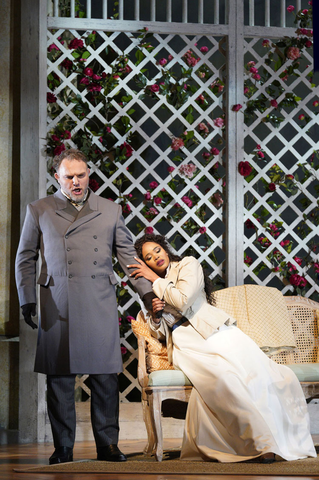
[(110, 453), (267, 458), (61, 455)]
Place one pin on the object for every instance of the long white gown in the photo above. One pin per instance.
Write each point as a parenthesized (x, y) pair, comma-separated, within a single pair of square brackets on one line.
[(243, 403)]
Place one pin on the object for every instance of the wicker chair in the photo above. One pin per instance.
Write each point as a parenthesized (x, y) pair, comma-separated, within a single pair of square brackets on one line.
[(159, 381)]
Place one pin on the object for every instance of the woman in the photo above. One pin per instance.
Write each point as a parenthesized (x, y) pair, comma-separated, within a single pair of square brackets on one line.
[(243, 405)]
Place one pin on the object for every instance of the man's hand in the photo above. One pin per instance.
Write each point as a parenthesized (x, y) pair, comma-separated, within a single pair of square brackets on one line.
[(27, 310)]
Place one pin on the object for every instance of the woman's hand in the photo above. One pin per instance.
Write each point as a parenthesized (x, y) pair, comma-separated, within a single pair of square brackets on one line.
[(142, 270), (157, 306)]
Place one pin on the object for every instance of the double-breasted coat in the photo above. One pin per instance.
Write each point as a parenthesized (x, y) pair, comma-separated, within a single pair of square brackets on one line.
[(78, 322)]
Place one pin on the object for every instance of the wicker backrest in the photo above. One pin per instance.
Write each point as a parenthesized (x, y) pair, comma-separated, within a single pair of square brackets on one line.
[(155, 351), (304, 316)]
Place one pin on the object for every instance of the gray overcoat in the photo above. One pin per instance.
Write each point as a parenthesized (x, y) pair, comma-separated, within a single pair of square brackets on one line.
[(78, 323)]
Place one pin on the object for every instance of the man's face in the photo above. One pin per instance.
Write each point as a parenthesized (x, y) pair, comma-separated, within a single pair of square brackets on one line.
[(73, 176)]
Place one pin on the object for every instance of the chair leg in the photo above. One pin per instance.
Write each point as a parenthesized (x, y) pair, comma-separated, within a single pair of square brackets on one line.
[(155, 403), (150, 446)]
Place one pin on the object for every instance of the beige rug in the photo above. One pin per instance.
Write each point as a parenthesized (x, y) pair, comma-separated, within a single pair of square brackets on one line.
[(138, 463)]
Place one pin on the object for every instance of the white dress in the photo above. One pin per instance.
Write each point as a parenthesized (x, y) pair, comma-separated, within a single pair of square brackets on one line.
[(243, 403)]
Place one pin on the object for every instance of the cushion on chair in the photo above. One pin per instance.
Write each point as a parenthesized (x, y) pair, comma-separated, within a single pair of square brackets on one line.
[(168, 378), (156, 351), (306, 372)]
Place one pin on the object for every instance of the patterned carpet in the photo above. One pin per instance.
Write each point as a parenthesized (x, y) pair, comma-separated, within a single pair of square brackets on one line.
[(138, 463)]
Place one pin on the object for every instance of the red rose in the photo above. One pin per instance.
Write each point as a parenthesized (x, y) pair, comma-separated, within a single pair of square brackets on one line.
[(149, 230), (245, 169), (75, 43), (237, 107), (55, 138), (51, 98), (59, 149), (202, 230), (67, 64), (154, 88), (295, 279), (271, 187), (94, 185)]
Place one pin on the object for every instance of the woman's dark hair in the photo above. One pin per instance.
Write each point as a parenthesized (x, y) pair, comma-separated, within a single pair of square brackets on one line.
[(151, 237), (160, 240)]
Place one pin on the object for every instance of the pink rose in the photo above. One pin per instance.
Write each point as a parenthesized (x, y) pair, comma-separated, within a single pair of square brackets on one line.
[(177, 143), (214, 151), (248, 260), (302, 116), (177, 205), (218, 122), (153, 185), (298, 260), (246, 90), (94, 87), (75, 43), (123, 349), (154, 88), (253, 70), (96, 77), (258, 147), (260, 154), (308, 44), (274, 103), (52, 47), (202, 230), (55, 138), (290, 8), (149, 230), (162, 61), (265, 42), (293, 53), (305, 11), (157, 200), (249, 224), (315, 103), (129, 318), (217, 200), (204, 49), (84, 81), (147, 196), (108, 129), (244, 168), (187, 200), (170, 169), (116, 77), (128, 148), (88, 71), (257, 76)]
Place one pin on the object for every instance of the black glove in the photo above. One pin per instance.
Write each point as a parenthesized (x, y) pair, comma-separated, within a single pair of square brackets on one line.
[(147, 300), (27, 310)]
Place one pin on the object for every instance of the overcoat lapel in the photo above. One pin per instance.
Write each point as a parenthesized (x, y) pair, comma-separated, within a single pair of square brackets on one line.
[(66, 210)]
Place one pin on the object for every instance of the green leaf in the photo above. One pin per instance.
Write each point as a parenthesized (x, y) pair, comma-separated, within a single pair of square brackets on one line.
[(86, 54), (75, 54)]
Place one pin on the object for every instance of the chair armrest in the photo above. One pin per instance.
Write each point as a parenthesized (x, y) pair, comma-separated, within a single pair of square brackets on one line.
[(142, 374)]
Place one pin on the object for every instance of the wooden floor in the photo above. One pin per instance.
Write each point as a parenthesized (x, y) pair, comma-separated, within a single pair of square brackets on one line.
[(21, 456)]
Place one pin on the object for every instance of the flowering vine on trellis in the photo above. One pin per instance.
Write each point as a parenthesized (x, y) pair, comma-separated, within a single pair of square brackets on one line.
[(104, 144)]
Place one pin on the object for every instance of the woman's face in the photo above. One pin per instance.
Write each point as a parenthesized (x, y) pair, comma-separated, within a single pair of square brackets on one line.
[(155, 257)]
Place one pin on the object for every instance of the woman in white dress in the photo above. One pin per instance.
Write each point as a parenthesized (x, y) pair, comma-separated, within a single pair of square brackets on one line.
[(243, 405)]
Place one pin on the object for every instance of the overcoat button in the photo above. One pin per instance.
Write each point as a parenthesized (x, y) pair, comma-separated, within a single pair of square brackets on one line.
[(94, 236), (68, 249), (66, 236), (93, 276), (70, 262), (95, 262), (70, 276), (96, 249)]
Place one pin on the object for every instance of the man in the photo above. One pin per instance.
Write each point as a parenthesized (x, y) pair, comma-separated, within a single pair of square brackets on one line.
[(76, 233)]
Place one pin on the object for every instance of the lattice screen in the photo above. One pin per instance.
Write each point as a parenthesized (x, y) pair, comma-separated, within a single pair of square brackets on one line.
[(287, 139), (183, 203)]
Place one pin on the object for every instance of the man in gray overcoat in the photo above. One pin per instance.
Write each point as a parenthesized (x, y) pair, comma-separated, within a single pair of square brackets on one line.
[(76, 232)]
